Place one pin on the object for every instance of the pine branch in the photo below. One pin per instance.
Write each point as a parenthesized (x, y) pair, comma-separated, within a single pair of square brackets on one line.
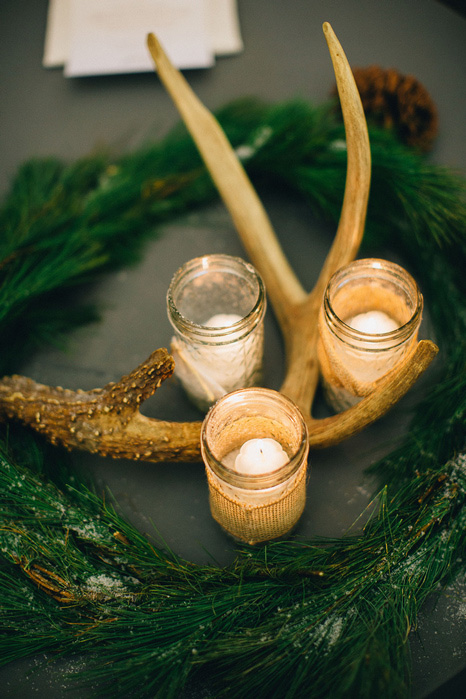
[(299, 608)]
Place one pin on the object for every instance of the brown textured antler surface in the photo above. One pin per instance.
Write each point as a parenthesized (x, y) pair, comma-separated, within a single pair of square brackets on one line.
[(104, 421), (108, 421)]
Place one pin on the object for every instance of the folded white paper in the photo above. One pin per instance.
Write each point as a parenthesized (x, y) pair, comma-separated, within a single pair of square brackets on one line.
[(223, 27), (96, 37), (57, 34)]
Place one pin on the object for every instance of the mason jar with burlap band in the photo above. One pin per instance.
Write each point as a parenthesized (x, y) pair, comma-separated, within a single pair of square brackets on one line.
[(368, 325), (262, 496)]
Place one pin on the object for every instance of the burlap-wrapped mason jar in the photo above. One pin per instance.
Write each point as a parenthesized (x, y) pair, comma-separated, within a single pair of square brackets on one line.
[(368, 324), (255, 507)]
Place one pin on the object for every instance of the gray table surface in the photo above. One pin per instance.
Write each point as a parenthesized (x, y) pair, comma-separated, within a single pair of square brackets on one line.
[(285, 56)]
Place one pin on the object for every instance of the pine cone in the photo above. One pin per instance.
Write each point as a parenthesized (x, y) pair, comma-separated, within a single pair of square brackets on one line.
[(398, 102)]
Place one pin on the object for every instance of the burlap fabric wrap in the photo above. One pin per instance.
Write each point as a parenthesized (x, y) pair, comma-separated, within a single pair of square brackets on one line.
[(337, 373), (257, 523)]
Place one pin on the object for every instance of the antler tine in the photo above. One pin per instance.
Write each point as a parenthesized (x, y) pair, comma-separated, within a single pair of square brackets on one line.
[(104, 421), (390, 389), (236, 190), (358, 175), (301, 340)]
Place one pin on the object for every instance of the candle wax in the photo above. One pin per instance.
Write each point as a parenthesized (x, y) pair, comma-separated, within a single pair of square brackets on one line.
[(232, 360), (222, 320), (373, 323), (258, 456)]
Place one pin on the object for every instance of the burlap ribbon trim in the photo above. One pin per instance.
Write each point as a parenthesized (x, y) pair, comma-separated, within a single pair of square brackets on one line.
[(257, 523)]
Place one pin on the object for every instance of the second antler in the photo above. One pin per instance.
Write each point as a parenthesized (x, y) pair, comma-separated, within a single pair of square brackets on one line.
[(108, 421)]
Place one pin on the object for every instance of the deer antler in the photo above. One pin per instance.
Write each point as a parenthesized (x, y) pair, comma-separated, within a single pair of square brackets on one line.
[(104, 421), (297, 311), (108, 421)]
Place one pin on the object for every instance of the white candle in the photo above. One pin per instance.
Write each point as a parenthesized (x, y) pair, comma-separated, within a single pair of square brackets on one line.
[(258, 456), (373, 323), (222, 320), (209, 371), (361, 362)]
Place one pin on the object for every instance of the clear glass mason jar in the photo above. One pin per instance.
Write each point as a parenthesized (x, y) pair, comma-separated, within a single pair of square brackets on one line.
[(369, 321), (216, 304), (255, 507)]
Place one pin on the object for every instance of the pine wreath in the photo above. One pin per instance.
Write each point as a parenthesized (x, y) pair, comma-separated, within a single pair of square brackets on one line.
[(291, 619)]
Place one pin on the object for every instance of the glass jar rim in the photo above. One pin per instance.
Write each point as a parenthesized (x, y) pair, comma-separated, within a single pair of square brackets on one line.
[(396, 272), (256, 481), (239, 328)]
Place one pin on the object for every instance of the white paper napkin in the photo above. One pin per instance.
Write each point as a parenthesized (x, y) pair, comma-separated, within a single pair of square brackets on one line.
[(97, 37)]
